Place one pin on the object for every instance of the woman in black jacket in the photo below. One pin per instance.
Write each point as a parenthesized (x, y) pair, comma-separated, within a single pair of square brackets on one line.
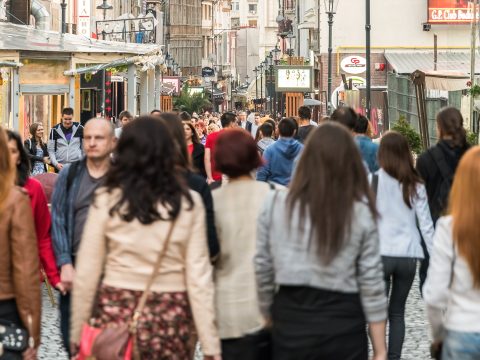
[(37, 150), (437, 167), (195, 149)]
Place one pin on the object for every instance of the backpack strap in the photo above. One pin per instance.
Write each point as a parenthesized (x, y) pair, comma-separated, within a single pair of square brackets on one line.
[(375, 183), (441, 162), (72, 173)]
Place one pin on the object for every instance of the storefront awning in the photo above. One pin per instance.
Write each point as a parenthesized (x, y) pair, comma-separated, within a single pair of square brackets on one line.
[(10, 64), (27, 38), (408, 62)]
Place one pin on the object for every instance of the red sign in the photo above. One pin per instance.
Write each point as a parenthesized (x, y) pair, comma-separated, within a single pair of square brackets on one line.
[(450, 11)]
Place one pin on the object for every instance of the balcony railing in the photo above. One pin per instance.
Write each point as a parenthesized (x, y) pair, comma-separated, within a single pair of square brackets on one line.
[(140, 31)]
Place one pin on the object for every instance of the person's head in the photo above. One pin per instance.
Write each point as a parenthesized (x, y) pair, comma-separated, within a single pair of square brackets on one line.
[(242, 116), (98, 139), (266, 130), (185, 116), (228, 120), (287, 127), (346, 116), (236, 153), (144, 171), (18, 157), (450, 126), (125, 117), (324, 119), (7, 168), (201, 128), (212, 127), (36, 131), (177, 132), (190, 133), (67, 117), (304, 113), (395, 158), (155, 112), (465, 211), (331, 151), (256, 119), (361, 127)]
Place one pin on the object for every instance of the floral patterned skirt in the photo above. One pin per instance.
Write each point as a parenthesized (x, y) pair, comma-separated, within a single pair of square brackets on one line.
[(165, 328)]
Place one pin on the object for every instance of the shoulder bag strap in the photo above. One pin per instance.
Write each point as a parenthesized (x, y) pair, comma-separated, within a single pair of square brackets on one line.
[(454, 258), (146, 292), (375, 184), (440, 161)]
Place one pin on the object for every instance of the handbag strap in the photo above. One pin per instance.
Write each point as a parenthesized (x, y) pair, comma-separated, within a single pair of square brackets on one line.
[(146, 292)]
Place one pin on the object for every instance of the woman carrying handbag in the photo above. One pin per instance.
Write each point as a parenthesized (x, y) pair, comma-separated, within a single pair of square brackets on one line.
[(156, 277)]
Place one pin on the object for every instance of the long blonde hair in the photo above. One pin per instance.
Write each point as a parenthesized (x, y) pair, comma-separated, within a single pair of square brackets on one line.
[(465, 211), (7, 169)]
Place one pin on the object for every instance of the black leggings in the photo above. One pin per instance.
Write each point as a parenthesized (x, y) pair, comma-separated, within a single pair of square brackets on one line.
[(399, 275)]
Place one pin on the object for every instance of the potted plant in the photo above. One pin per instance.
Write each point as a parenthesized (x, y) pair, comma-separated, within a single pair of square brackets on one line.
[(474, 91)]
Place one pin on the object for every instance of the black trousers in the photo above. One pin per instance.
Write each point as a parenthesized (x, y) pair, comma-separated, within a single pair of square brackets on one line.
[(250, 347), (9, 313), (65, 320), (399, 275)]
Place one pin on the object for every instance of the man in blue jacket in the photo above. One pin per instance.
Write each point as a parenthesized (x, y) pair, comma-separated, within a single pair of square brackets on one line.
[(280, 157), (368, 149)]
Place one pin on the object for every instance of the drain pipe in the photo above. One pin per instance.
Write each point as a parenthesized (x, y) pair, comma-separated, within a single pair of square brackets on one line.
[(41, 15)]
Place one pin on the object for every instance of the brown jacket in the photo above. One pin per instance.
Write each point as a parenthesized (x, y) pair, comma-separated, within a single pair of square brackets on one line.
[(19, 259)]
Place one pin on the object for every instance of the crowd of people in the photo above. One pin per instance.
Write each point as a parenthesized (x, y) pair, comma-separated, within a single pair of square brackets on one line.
[(258, 237)]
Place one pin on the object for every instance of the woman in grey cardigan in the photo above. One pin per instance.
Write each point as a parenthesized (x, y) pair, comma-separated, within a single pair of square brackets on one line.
[(318, 265)]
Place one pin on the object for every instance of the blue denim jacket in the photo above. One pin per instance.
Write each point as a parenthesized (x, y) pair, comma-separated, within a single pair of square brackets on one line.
[(63, 214), (368, 150)]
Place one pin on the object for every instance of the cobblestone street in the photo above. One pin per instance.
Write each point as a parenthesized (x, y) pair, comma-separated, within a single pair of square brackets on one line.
[(416, 345)]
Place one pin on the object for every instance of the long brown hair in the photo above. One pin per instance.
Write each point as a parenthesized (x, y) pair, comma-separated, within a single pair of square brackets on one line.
[(465, 211), (327, 194), (450, 124), (395, 158), (33, 131), (175, 126), (7, 169), (195, 138)]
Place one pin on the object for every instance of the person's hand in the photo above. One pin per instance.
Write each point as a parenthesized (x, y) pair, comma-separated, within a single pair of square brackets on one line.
[(67, 274), (74, 350), (61, 288), (210, 181), (46, 160), (30, 354), (59, 167), (212, 357)]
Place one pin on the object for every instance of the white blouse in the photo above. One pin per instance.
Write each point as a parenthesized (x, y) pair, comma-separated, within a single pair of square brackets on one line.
[(397, 225)]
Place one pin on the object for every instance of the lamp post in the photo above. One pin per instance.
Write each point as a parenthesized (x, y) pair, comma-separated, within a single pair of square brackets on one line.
[(261, 85), (368, 27), (276, 52), (229, 77), (104, 6), (330, 10), (270, 72), (256, 70), (64, 16)]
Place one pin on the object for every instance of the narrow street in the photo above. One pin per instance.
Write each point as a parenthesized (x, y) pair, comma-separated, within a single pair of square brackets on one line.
[(416, 345)]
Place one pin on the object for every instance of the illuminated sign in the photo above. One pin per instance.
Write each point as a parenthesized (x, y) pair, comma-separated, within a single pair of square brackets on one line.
[(450, 11), (354, 64), (294, 78)]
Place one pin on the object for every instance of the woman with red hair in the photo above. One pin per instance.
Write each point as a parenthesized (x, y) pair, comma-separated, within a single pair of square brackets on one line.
[(452, 288), (237, 205)]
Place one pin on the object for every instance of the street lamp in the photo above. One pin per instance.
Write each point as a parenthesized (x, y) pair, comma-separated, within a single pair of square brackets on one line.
[(256, 70), (246, 79), (261, 85), (276, 52), (64, 16), (290, 36), (270, 73), (330, 10)]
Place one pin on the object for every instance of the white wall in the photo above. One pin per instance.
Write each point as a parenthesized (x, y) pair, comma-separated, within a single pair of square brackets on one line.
[(395, 23)]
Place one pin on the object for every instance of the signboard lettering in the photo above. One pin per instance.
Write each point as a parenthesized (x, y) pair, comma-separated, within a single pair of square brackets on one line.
[(84, 11), (450, 11), (354, 65)]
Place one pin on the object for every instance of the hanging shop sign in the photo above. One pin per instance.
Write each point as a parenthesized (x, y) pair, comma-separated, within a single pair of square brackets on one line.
[(294, 78), (354, 65), (84, 12), (173, 82), (208, 72), (450, 11)]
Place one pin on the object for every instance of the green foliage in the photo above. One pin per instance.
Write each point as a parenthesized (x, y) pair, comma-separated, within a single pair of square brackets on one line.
[(472, 138), (414, 141), (191, 103), (474, 90)]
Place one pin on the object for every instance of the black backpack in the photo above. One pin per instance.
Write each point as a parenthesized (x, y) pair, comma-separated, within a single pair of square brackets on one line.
[(440, 200)]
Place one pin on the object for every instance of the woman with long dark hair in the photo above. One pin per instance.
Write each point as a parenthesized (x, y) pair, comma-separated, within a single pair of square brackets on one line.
[(401, 202), (37, 150), (195, 181), (20, 298), (39, 204), (318, 245), (195, 149), (144, 210), (452, 289)]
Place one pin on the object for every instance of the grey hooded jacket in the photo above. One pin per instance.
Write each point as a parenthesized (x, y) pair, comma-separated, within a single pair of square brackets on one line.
[(62, 151)]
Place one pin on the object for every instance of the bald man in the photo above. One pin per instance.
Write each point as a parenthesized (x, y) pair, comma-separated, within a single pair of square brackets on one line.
[(71, 199)]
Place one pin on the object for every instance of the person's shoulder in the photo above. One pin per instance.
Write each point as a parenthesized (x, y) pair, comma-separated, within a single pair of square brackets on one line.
[(16, 196), (32, 185)]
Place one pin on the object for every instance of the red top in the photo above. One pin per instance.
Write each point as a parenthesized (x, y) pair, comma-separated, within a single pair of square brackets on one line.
[(43, 222), (190, 148), (210, 144)]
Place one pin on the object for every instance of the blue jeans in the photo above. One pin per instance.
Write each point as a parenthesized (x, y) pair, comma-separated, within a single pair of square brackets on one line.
[(461, 346)]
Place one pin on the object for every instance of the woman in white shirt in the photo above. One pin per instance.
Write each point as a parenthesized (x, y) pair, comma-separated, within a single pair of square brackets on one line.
[(401, 201), (453, 280)]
